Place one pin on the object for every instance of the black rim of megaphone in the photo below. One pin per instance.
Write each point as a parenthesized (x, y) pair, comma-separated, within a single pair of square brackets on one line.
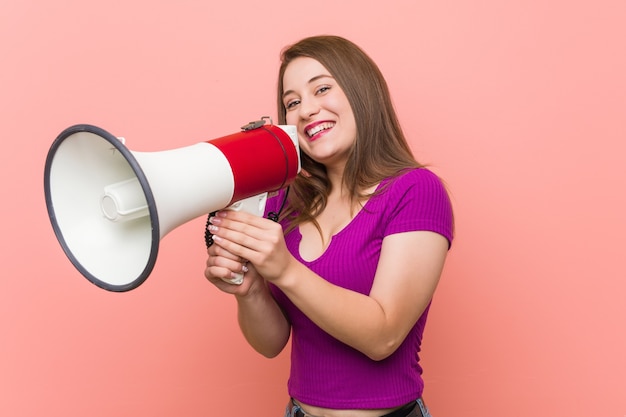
[(144, 185)]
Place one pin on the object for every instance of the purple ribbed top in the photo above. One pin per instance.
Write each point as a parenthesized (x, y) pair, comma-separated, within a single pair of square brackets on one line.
[(324, 371)]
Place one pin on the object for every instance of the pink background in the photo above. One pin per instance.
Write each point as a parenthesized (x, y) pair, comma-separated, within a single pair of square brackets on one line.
[(519, 105)]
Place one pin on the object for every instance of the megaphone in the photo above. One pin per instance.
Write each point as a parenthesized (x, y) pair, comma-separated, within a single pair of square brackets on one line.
[(110, 207)]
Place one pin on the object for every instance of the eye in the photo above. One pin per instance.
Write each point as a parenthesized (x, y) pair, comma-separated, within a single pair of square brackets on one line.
[(322, 89), (291, 104)]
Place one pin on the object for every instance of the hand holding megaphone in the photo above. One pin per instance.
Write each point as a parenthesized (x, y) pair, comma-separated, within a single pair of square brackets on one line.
[(110, 207), (252, 205)]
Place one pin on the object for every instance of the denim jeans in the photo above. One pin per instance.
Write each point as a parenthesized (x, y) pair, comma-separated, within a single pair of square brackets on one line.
[(420, 410)]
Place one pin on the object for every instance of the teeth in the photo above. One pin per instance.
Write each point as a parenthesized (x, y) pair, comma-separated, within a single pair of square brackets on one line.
[(319, 128)]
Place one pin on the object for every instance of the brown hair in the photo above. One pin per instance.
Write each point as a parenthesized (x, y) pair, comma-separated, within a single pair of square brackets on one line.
[(380, 149)]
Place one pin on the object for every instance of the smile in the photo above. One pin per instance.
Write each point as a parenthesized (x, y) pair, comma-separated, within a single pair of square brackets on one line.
[(319, 128)]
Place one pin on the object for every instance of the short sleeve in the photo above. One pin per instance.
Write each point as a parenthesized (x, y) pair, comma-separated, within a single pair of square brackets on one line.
[(418, 200)]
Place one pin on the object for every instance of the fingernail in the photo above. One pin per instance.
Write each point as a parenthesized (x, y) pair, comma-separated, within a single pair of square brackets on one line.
[(213, 228), (215, 220)]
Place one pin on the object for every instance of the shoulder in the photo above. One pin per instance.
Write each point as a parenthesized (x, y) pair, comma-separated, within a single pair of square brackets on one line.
[(417, 199), (416, 179)]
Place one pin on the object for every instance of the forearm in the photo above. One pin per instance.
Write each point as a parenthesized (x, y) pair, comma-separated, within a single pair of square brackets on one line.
[(375, 323), (262, 322), (356, 319)]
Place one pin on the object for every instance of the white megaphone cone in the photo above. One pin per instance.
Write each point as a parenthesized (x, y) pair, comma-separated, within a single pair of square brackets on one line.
[(110, 207)]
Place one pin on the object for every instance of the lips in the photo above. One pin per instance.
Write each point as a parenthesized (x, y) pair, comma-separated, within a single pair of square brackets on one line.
[(316, 128)]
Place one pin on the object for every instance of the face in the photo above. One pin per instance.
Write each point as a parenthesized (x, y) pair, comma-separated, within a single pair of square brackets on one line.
[(320, 110)]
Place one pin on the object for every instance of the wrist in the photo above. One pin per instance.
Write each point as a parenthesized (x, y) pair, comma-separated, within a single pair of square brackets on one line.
[(258, 289), (290, 275)]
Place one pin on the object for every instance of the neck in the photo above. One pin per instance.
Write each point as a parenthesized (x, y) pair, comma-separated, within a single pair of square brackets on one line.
[(335, 176)]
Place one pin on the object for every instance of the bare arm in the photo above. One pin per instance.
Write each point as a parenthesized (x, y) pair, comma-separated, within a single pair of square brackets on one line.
[(261, 320), (376, 324)]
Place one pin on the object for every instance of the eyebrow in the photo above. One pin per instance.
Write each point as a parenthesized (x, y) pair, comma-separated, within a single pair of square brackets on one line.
[(312, 80)]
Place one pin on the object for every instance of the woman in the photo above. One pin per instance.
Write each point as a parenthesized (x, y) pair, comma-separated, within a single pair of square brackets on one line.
[(350, 268)]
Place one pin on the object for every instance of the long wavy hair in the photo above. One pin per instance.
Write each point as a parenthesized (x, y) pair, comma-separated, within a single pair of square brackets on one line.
[(380, 150)]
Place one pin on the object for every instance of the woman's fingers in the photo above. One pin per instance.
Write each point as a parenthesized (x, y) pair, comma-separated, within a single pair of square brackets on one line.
[(220, 263), (216, 250), (251, 238)]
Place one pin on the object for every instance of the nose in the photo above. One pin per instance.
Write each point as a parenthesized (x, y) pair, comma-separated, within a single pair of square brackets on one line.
[(308, 108)]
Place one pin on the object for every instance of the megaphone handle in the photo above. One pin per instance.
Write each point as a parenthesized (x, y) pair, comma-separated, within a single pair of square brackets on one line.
[(253, 205), (208, 238)]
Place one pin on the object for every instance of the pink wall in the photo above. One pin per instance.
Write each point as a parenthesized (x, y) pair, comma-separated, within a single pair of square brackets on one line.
[(520, 106)]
